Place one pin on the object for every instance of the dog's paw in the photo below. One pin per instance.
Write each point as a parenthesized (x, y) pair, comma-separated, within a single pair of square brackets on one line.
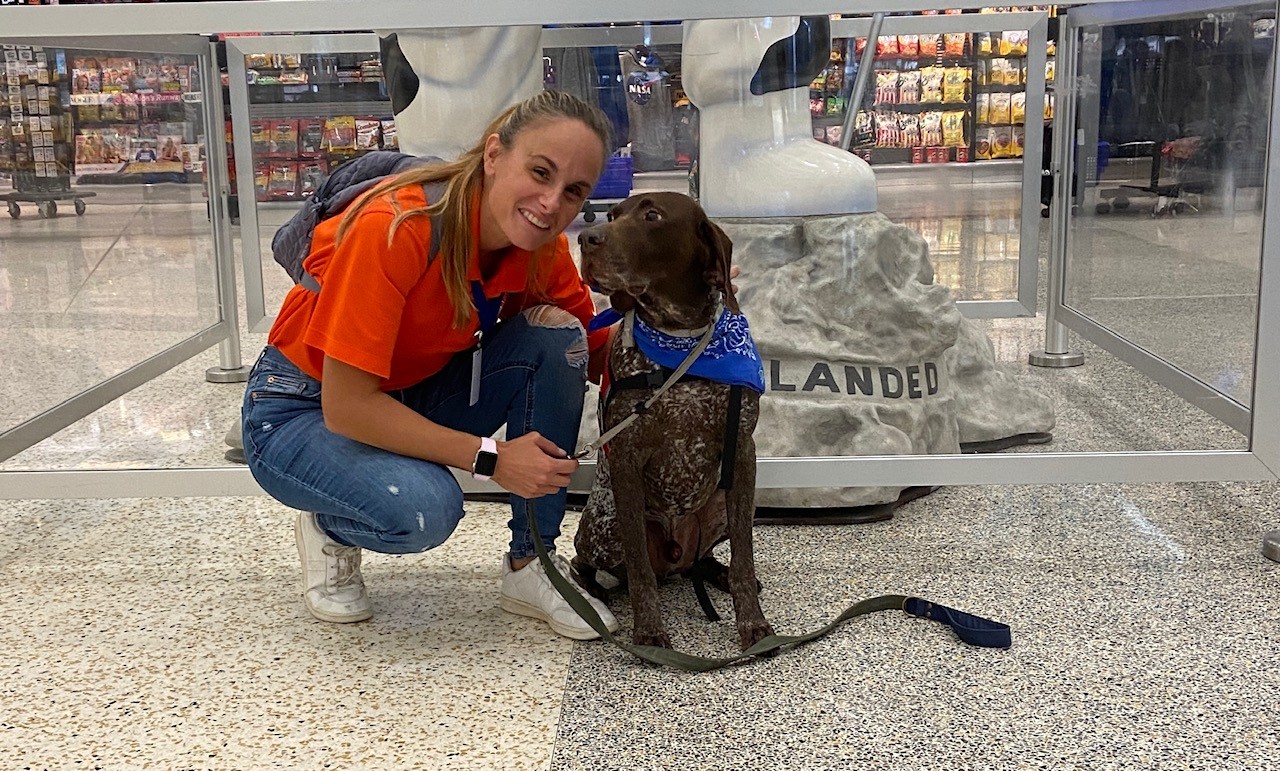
[(752, 632), (658, 639), (586, 578)]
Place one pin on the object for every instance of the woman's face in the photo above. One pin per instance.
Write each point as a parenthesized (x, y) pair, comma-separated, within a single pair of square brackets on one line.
[(534, 189)]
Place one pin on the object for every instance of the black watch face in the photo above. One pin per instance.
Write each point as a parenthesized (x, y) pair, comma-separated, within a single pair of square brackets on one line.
[(486, 463)]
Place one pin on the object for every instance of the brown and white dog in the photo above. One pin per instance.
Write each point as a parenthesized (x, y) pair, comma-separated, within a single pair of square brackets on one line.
[(656, 507)]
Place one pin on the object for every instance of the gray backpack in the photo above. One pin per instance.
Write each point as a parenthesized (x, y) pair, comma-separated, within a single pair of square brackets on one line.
[(292, 242)]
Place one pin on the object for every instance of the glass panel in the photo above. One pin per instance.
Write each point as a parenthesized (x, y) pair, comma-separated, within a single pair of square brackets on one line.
[(309, 114), (1165, 245), (943, 112), (107, 252)]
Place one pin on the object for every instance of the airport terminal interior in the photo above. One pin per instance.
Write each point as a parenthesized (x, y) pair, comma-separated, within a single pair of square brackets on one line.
[(168, 632)]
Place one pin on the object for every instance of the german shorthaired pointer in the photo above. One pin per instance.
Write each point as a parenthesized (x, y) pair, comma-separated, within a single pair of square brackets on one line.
[(658, 505)]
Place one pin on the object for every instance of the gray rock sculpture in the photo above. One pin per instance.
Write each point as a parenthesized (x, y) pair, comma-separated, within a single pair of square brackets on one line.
[(864, 354)]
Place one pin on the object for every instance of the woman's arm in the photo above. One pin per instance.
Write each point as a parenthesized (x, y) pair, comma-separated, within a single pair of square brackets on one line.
[(354, 406)]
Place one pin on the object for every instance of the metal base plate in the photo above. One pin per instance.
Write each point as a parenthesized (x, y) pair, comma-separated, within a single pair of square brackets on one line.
[(220, 375), (1055, 360), (1271, 546)]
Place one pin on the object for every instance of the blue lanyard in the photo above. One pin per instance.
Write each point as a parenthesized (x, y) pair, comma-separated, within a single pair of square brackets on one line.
[(487, 309)]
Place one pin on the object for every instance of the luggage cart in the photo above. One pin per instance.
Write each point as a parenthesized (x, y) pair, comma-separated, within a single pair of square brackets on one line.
[(44, 192)]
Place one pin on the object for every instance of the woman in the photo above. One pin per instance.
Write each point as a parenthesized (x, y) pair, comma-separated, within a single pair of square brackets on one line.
[(365, 395)]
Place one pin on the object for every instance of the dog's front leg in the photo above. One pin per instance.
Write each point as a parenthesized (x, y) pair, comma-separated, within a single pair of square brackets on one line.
[(626, 468), (743, 586)]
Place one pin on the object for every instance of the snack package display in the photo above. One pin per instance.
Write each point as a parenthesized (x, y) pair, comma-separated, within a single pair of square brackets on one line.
[(909, 45), (1018, 107), (999, 110), (310, 175), (1050, 71), (283, 183), (389, 139), (340, 134), (983, 43), (909, 88), (1048, 106), (1013, 43), (982, 143), (982, 109), (1019, 141), (955, 43), (931, 129), (929, 45), (310, 137), (834, 134), (887, 87), (368, 133), (886, 47), (284, 138), (888, 130), (953, 128), (261, 176), (931, 85), (260, 137), (1002, 142), (910, 130), (954, 82), (864, 129)]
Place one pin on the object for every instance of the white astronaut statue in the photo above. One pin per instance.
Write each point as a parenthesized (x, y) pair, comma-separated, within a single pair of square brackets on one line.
[(757, 156), (447, 84)]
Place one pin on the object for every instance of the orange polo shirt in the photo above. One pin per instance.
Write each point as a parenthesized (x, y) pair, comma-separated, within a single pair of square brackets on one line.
[(383, 309)]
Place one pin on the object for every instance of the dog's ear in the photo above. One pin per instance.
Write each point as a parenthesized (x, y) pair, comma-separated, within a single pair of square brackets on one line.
[(720, 254)]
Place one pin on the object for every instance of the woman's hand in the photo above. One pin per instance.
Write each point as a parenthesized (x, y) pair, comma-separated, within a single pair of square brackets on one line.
[(532, 466)]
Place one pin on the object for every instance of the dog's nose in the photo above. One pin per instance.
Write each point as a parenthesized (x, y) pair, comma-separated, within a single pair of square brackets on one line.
[(593, 236)]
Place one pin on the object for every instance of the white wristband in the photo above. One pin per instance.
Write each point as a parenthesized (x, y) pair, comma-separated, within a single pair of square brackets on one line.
[(487, 447)]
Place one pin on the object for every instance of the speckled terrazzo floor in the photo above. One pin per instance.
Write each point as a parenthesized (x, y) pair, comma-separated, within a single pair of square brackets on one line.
[(167, 633)]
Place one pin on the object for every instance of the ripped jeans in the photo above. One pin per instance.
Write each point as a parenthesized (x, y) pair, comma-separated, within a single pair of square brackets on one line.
[(532, 378)]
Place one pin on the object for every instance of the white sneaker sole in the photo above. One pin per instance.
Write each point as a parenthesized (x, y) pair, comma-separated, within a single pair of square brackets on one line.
[(525, 609)]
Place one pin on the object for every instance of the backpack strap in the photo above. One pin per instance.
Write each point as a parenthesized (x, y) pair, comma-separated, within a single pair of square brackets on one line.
[(431, 191)]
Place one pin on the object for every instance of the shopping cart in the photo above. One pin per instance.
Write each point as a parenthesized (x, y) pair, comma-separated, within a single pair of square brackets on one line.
[(44, 192), (1180, 168)]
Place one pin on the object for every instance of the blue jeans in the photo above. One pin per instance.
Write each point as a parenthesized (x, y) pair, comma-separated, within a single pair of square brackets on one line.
[(379, 500)]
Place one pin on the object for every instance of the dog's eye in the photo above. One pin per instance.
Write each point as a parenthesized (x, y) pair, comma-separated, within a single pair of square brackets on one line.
[(653, 215)]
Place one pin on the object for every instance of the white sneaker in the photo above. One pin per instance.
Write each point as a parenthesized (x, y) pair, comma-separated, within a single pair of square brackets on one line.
[(332, 586), (528, 592)]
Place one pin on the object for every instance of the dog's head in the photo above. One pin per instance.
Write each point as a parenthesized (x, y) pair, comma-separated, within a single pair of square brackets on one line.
[(659, 253)]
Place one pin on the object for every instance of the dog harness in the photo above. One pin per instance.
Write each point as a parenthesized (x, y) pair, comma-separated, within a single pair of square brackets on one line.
[(721, 353)]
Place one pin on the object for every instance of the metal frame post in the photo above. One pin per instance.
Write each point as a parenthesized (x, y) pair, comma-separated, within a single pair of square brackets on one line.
[(1057, 353), (231, 368)]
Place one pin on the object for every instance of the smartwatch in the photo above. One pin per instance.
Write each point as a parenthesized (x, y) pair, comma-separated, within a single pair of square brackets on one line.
[(486, 461)]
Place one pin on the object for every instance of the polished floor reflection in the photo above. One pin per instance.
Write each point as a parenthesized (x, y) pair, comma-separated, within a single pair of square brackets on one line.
[(84, 298), (91, 296), (1182, 286)]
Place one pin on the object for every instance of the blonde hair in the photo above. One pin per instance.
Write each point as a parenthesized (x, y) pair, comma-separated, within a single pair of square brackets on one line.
[(463, 179)]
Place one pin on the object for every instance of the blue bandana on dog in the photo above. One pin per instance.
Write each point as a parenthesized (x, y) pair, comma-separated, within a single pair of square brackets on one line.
[(730, 358)]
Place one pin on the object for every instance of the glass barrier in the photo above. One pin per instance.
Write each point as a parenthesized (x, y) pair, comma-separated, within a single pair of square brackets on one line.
[(1164, 245), (108, 256), (888, 237)]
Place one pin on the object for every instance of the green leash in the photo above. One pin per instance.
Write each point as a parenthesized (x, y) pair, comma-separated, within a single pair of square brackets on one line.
[(971, 629)]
